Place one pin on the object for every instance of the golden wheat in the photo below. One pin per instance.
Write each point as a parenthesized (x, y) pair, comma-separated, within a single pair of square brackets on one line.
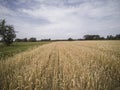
[(85, 65)]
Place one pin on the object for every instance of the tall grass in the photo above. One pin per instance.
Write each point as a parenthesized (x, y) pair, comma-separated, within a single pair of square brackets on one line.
[(81, 65), (17, 47)]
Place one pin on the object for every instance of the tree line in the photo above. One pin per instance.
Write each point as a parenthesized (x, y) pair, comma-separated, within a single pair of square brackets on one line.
[(32, 39), (85, 37), (8, 35), (98, 37)]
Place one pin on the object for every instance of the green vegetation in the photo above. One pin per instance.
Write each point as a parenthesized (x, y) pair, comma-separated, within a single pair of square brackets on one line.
[(17, 47), (7, 33)]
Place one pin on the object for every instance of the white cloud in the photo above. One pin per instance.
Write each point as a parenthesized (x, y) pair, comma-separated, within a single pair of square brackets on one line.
[(92, 17), (5, 11)]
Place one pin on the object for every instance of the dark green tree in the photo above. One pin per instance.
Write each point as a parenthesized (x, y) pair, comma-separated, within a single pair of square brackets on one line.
[(93, 37), (70, 39), (32, 39), (7, 33), (117, 37), (110, 37)]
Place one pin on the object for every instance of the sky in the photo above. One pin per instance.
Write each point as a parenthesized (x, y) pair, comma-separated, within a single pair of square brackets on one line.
[(61, 19)]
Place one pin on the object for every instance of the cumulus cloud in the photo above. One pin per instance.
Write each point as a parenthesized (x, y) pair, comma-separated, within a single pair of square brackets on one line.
[(64, 18)]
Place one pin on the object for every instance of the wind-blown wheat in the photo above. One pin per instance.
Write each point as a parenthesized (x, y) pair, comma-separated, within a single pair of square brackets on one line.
[(85, 65)]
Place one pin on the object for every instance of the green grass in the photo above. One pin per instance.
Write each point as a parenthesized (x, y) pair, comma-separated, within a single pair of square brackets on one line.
[(17, 47)]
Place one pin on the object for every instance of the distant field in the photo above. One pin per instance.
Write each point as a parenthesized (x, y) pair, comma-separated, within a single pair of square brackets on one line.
[(17, 47), (77, 65)]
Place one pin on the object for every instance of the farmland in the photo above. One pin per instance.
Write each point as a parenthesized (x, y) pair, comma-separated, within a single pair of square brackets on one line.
[(16, 48), (77, 65)]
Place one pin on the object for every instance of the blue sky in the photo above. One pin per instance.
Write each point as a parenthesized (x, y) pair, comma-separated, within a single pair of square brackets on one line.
[(61, 19)]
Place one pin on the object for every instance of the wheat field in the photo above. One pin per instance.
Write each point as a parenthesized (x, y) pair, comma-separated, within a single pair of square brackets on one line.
[(78, 65)]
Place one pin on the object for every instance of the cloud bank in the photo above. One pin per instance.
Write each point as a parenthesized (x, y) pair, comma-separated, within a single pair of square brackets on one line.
[(60, 19)]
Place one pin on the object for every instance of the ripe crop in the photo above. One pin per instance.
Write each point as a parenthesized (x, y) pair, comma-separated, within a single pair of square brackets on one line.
[(78, 65)]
